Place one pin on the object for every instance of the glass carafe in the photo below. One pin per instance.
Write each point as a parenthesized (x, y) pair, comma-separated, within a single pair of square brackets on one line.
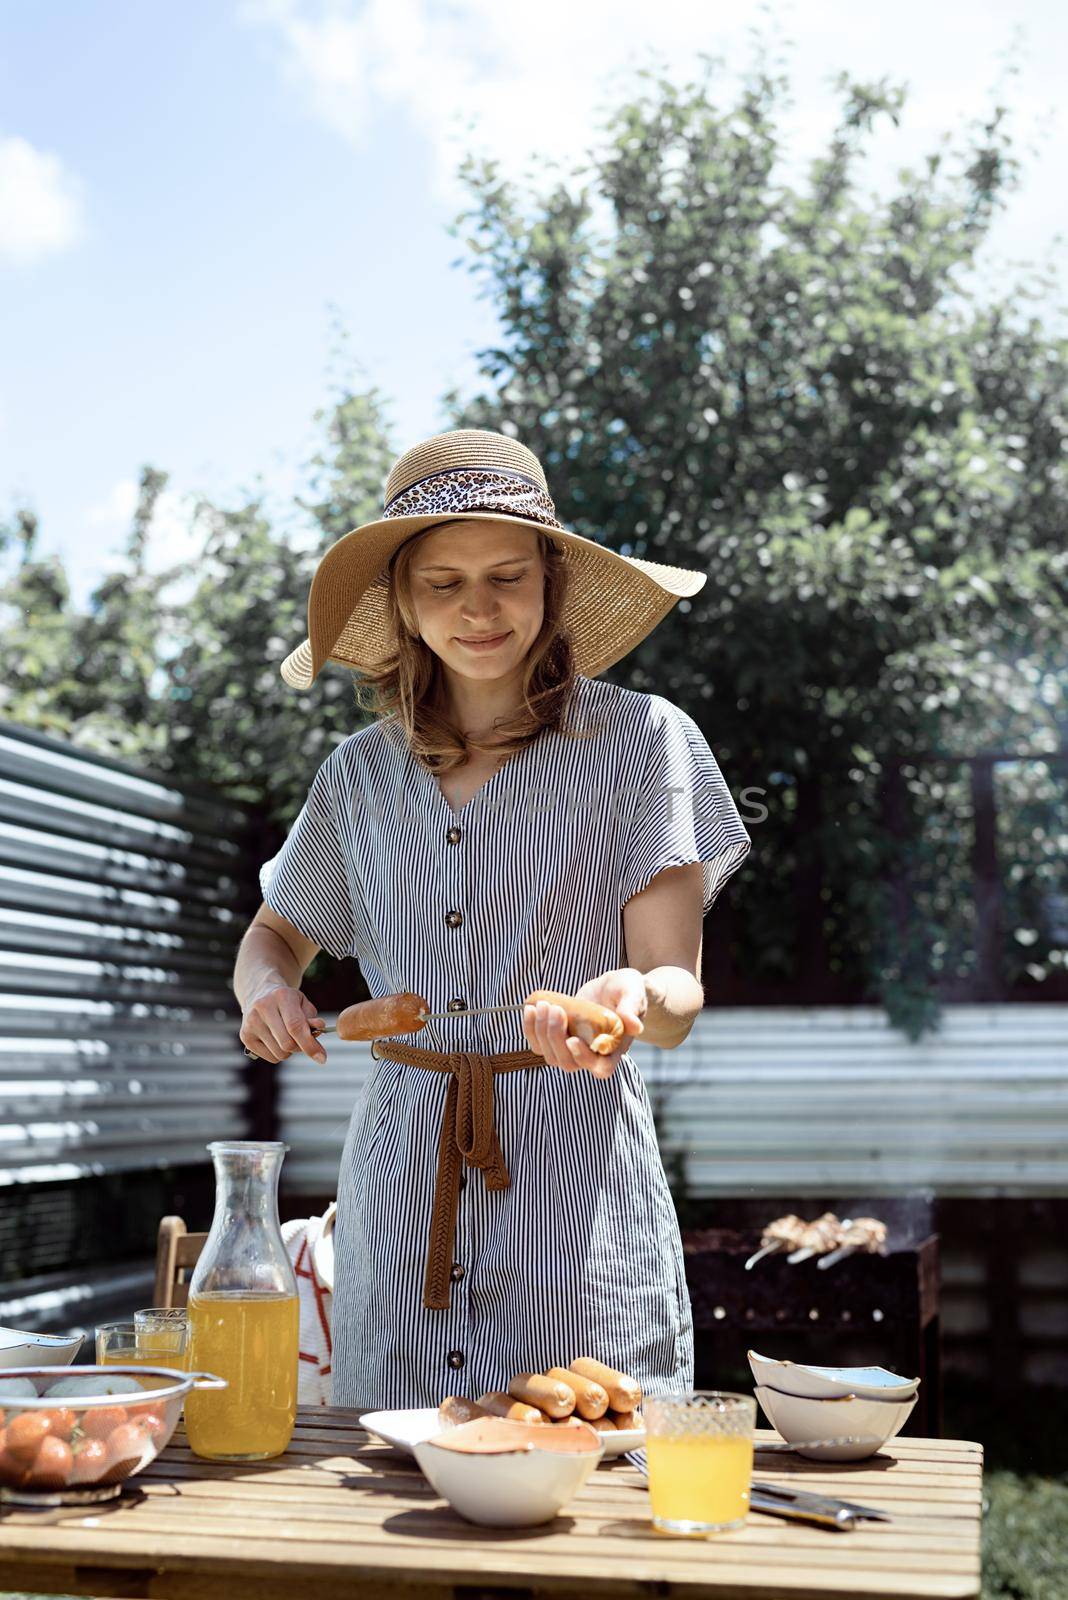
[(243, 1313)]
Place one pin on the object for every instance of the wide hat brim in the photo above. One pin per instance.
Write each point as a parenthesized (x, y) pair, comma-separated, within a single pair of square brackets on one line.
[(613, 601)]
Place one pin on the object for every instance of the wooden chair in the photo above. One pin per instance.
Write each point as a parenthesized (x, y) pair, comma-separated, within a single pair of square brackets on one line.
[(177, 1252)]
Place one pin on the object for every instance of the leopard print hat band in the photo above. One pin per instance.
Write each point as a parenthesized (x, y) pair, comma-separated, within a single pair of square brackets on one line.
[(475, 489), (613, 601)]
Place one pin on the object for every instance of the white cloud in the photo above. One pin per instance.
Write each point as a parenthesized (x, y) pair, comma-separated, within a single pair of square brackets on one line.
[(41, 206), (531, 85), (174, 537)]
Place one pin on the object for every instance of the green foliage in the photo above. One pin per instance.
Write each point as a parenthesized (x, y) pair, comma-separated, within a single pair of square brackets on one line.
[(189, 681), (1025, 1537)]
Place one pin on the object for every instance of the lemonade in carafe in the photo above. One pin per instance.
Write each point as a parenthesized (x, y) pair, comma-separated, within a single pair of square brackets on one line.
[(243, 1314)]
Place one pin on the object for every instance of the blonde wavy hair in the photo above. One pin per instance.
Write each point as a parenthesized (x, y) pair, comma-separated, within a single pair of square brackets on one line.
[(408, 685)]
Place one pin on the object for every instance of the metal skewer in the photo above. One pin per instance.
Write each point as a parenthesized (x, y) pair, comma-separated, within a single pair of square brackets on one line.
[(437, 1016), (765, 1250)]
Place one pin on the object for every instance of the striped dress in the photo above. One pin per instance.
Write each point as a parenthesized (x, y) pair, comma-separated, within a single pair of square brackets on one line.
[(581, 1254)]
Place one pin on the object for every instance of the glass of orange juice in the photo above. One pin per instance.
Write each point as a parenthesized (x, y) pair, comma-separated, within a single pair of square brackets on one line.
[(699, 1450)]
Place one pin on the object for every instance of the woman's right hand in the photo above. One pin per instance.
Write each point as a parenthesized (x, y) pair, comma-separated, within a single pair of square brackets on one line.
[(278, 1022)]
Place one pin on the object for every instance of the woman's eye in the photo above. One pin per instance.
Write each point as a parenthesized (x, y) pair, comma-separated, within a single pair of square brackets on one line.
[(442, 588)]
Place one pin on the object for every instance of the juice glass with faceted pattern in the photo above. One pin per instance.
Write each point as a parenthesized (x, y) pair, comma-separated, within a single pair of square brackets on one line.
[(699, 1450)]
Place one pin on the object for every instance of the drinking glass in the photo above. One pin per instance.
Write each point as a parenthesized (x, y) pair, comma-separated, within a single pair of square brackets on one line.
[(699, 1450), (163, 1336), (116, 1345)]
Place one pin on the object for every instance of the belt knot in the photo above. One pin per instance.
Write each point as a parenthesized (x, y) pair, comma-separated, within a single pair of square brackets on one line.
[(467, 1134)]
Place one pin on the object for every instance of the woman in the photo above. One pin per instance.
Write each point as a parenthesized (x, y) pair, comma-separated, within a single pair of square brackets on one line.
[(506, 823)]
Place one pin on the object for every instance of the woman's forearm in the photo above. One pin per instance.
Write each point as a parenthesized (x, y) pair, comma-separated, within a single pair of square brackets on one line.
[(264, 962), (674, 999)]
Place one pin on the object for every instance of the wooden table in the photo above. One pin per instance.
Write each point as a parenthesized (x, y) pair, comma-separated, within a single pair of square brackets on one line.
[(342, 1515)]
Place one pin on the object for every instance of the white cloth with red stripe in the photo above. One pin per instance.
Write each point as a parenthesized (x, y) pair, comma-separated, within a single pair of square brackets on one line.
[(309, 1242)]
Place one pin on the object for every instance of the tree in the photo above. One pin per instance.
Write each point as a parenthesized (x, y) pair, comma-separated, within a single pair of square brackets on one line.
[(796, 392), (36, 626)]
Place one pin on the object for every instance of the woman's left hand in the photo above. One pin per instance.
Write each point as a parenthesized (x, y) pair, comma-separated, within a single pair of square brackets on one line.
[(621, 990)]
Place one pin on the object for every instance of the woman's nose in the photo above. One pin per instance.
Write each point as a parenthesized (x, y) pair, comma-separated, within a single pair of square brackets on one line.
[(483, 603)]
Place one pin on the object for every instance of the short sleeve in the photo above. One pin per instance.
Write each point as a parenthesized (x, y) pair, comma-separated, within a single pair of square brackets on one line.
[(679, 810), (306, 881)]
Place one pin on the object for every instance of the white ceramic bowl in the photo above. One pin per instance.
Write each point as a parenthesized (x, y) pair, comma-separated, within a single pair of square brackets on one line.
[(872, 1383), (18, 1349), (870, 1423), (514, 1489)]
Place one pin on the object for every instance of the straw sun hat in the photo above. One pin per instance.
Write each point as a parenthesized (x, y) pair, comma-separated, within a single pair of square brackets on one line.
[(613, 601)]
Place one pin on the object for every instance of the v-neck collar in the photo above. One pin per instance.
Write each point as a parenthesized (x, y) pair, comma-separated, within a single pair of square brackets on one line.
[(432, 788), (442, 798)]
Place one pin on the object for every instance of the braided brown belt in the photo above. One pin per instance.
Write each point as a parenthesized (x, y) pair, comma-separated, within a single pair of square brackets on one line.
[(467, 1134)]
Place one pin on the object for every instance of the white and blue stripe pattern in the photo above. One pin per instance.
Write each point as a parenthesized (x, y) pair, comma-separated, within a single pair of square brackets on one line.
[(581, 1255)]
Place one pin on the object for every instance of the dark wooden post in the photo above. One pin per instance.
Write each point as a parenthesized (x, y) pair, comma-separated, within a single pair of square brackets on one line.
[(987, 880), (893, 806), (261, 1077), (812, 966)]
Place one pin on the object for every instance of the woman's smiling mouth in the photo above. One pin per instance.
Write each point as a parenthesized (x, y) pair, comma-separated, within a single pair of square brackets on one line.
[(486, 642)]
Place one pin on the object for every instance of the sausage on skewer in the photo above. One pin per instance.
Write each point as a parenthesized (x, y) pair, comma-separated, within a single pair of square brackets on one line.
[(375, 1019), (598, 1027)]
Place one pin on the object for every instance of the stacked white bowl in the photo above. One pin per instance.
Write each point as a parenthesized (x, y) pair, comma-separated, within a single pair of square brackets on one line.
[(861, 1408)]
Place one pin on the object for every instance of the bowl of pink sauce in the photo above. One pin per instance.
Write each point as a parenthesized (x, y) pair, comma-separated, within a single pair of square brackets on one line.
[(506, 1474)]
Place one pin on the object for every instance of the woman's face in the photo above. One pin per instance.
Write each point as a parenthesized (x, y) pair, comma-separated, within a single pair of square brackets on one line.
[(473, 580)]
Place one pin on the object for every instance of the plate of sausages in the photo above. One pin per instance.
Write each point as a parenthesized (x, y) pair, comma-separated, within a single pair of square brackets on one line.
[(586, 1391)]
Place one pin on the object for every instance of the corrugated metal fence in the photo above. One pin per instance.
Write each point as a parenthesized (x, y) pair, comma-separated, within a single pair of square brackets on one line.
[(795, 1101), (122, 897)]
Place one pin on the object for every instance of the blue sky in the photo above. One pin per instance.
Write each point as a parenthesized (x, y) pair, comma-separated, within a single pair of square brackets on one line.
[(187, 192)]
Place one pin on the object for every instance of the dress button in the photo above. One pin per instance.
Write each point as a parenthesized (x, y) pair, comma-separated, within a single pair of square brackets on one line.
[(455, 1359), (454, 918), (457, 1272), (454, 836), (457, 1005)]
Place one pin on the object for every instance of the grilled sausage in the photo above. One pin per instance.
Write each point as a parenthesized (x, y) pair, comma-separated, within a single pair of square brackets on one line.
[(555, 1399), (503, 1405), (374, 1019), (623, 1393), (625, 1420), (454, 1410), (591, 1400)]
